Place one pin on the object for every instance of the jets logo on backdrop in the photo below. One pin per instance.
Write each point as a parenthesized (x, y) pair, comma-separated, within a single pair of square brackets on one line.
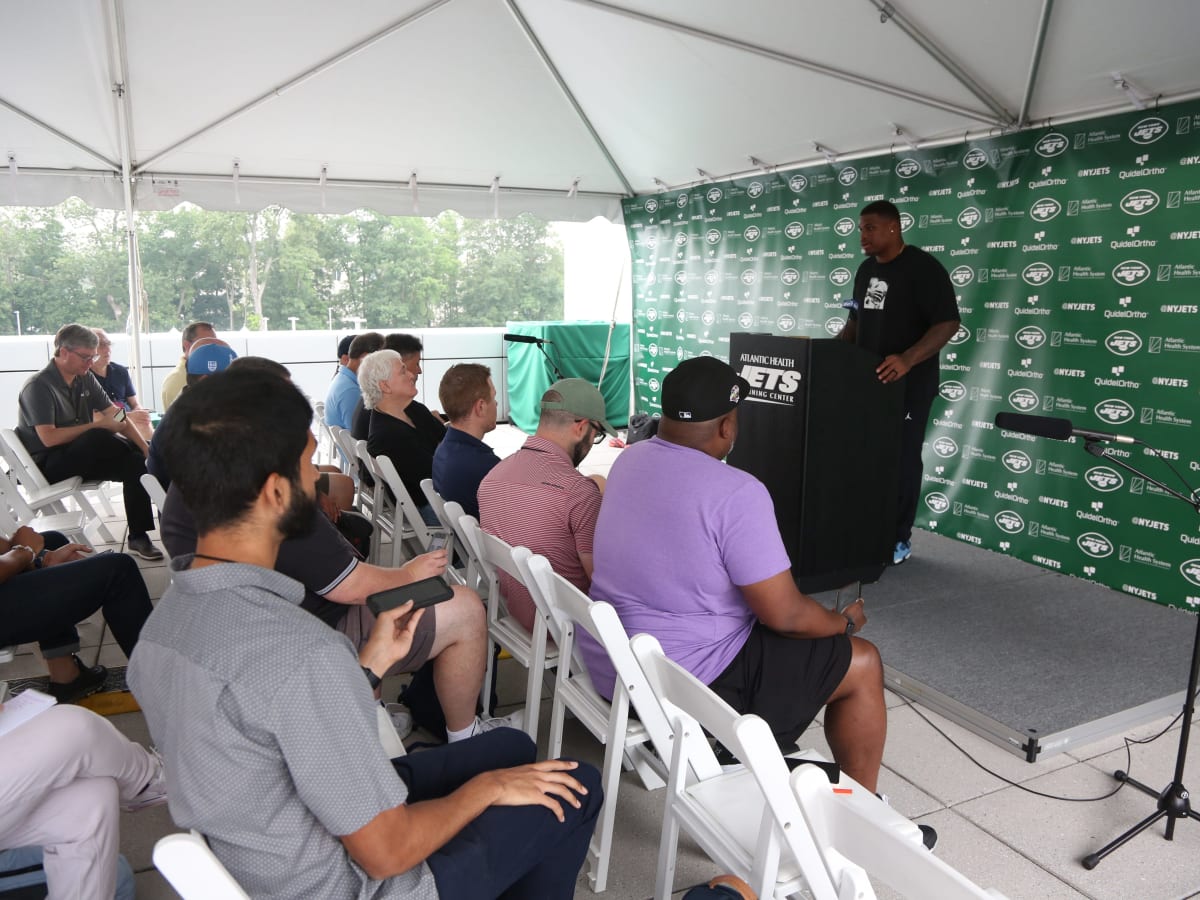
[(749, 277), (1123, 343), (876, 297), (1051, 145), (1148, 130), (952, 391), (962, 335), (681, 238), (682, 200), (712, 236), (1095, 545), (652, 206), (651, 314), (1045, 209), (969, 217), (1009, 522), (937, 502), (907, 168), (714, 195), (654, 385), (1037, 274), (797, 183), (789, 276), (785, 323), (1190, 569), (847, 176), (1140, 202), (708, 317), (840, 276), (906, 221), (843, 227), (1132, 271), (962, 276), (1017, 462), (754, 190), (794, 230), (1030, 337), (681, 277), (945, 447), (711, 277), (1103, 478), (1024, 399), (752, 233), (1114, 411), (834, 325), (746, 319), (975, 159)]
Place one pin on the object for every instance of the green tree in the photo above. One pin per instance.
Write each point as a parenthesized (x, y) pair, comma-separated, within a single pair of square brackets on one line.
[(511, 269)]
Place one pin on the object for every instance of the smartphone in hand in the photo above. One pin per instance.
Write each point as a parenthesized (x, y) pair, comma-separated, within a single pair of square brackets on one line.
[(423, 593)]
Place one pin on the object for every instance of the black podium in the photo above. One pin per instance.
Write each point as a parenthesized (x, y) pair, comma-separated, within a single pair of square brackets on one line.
[(823, 435)]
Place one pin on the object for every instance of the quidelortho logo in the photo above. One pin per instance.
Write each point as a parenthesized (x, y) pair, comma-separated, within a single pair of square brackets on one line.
[(975, 158), (962, 276), (1104, 479), (1114, 411), (1190, 569), (1009, 522), (937, 502), (1123, 343), (797, 183), (1094, 544), (952, 391), (1017, 461), (907, 168), (794, 230), (1037, 274), (840, 276), (1030, 337), (844, 226), (1051, 145), (969, 217), (1130, 272), (945, 447), (1139, 202), (1045, 209), (1148, 130), (1024, 399)]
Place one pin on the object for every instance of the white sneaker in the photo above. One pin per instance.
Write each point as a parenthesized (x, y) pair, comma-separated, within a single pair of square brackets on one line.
[(155, 791), (512, 720), (402, 719)]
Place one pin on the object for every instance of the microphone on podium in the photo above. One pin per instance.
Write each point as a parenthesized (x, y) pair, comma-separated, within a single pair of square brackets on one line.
[(1056, 429), (525, 339)]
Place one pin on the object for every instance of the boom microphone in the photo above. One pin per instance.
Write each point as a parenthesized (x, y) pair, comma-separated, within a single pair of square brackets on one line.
[(1056, 429), (525, 339)]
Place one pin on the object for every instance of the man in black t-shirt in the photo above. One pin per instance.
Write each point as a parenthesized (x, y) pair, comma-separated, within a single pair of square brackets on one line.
[(905, 310)]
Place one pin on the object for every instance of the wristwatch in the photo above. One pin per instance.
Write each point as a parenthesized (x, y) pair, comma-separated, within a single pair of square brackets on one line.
[(372, 679), (849, 624)]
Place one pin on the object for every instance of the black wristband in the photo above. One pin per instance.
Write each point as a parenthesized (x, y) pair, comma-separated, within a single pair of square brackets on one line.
[(40, 559), (372, 679), (850, 626)]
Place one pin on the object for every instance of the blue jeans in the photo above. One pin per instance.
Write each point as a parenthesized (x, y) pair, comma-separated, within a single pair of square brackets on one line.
[(26, 857), (509, 851)]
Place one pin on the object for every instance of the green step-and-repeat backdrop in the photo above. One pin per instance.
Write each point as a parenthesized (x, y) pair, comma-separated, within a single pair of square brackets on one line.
[(1075, 252)]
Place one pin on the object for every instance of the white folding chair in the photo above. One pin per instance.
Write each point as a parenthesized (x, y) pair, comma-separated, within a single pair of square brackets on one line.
[(781, 833), (372, 499), (407, 514), (534, 651), (40, 494), (623, 738), (154, 490), (326, 448), (14, 511), (473, 574), (343, 441), (455, 547), (193, 870)]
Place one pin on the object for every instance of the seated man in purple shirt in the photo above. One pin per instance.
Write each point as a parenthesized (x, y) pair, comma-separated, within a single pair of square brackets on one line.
[(687, 549)]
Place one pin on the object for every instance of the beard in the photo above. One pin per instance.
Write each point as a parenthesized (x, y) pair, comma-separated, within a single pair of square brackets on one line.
[(298, 519), (581, 450)]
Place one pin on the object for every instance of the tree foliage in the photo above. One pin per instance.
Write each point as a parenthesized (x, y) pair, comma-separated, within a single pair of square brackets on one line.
[(258, 269)]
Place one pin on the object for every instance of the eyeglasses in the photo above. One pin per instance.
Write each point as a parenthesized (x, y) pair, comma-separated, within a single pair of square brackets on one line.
[(599, 437), (87, 357)]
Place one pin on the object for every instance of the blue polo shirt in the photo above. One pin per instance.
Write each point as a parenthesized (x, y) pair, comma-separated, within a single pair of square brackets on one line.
[(459, 464), (340, 399)]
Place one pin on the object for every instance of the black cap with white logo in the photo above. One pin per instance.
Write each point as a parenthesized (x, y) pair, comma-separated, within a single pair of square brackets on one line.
[(701, 389)]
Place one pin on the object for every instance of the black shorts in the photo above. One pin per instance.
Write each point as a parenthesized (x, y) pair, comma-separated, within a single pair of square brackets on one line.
[(784, 680)]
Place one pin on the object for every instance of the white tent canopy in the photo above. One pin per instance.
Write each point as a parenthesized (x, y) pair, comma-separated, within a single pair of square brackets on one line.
[(556, 107)]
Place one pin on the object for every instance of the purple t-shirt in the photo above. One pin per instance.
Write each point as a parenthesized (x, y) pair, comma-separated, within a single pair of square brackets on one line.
[(678, 532)]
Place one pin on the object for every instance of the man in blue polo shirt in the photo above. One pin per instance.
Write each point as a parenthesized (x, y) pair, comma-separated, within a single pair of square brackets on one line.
[(344, 390), (462, 459)]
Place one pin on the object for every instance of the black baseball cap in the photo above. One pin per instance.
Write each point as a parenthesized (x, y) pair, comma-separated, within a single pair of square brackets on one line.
[(701, 389), (344, 345)]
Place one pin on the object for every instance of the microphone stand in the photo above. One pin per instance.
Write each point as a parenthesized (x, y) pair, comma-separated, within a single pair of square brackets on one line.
[(558, 375), (1173, 801)]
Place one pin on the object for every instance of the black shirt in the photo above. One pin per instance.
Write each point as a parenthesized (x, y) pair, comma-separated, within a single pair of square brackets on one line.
[(47, 399), (409, 447)]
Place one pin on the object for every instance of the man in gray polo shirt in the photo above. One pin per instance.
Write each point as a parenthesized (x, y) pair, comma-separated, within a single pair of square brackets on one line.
[(266, 720)]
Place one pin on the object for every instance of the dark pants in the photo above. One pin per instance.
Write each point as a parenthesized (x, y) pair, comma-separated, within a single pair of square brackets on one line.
[(43, 605), (101, 455), (508, 851), (912, 435)]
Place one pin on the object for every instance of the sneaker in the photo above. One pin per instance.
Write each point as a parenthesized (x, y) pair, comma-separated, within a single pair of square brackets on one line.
[(141, 546), (512, 720), (155, 791), (86, 683), (902, 552), (402, 719)]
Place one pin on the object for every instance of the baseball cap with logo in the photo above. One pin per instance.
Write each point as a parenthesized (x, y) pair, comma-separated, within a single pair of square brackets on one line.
[(701, 389), (208, 359), (580, 398)]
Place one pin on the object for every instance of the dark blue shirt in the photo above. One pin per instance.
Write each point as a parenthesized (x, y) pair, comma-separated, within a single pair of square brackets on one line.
[(459, 464), (117, 384)]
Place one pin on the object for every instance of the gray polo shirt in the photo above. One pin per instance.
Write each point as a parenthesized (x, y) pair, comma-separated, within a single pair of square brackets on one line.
[(268, 730), (46, 399)]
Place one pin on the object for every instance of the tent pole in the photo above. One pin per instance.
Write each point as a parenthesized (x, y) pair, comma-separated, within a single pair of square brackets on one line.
[(1035, 62), (568, 93), (888, 12)]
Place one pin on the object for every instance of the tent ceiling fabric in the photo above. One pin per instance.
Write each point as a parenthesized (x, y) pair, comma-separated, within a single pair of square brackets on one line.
[(626, 95)]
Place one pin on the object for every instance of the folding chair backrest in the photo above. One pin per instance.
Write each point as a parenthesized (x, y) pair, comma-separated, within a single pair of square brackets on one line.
[(14, 500), (154, 489), (493, 553), (20, 463), (193, 870), (404, 501), (453, 512), (344, 441), (438, 505)]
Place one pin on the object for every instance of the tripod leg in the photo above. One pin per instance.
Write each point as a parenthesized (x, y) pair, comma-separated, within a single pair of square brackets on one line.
[(1092, 860), (1123, 777)]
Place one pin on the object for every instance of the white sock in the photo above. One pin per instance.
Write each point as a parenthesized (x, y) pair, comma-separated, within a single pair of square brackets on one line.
[(462, 734)]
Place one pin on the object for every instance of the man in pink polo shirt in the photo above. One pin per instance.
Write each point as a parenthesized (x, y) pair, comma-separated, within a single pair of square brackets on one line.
[(538, 499)]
